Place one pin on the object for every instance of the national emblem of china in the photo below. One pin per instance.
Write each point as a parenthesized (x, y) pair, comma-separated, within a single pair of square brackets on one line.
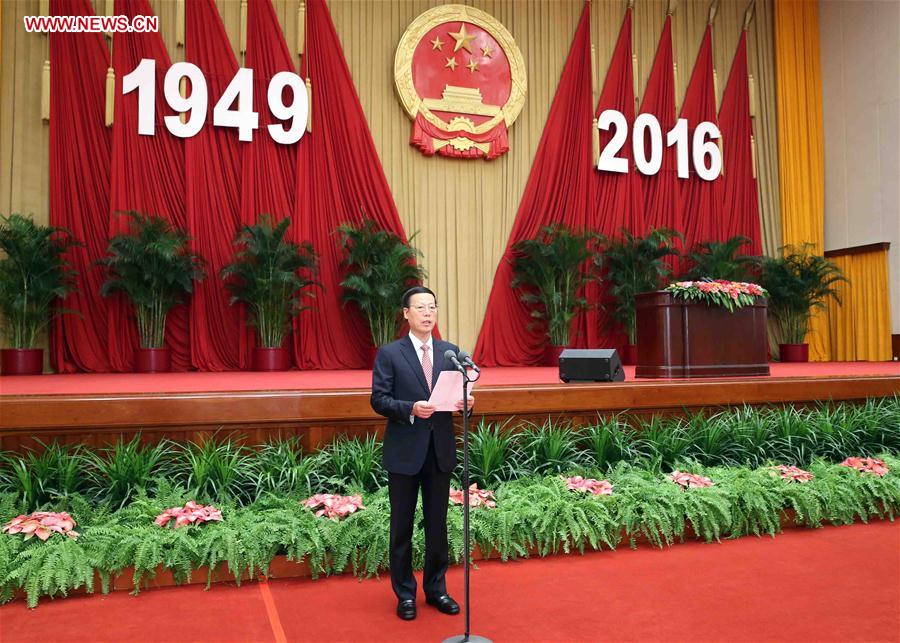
[(461, 79)]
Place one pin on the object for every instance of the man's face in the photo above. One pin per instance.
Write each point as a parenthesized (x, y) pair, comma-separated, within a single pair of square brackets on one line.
[(421, 314)]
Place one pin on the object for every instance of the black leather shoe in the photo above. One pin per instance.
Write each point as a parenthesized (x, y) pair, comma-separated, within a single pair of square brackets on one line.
[(444, 603), (406, 609)]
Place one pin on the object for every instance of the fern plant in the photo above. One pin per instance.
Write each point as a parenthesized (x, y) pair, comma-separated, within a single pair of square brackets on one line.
[(34, 275), (379, 267), (633, 265), (153, 265), (551, 270), (721, 260), (798, 282), (270, 275)]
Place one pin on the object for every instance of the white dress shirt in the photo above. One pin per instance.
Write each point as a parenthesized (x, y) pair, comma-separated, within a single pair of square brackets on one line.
[(417, 344)]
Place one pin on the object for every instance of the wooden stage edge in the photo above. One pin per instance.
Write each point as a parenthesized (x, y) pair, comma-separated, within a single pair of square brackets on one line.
[(319, 416)]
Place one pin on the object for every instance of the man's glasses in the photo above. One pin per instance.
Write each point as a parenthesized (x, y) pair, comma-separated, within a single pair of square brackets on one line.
[(421, 309)]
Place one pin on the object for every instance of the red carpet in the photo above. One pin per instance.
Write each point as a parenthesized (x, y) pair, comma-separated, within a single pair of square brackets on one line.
[(830, 584), (91, 383)]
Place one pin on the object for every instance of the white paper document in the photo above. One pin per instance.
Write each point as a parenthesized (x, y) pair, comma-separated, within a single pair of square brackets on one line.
[(447, 391)]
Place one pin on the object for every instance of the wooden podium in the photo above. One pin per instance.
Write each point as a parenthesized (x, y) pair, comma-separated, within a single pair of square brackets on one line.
[(677, 338)]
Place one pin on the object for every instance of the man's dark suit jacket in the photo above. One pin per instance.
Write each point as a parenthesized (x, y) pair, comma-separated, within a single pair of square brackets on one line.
[(397, 383)]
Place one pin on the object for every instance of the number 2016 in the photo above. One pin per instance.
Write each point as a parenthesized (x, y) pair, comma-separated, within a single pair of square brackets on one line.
[(244, 119), (706, 155)]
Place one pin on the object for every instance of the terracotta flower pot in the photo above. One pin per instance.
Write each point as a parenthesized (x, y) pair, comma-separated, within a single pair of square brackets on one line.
[(270, 359), (22, 361), (793, 352), (629, 354), (551, 355), (152, 360)]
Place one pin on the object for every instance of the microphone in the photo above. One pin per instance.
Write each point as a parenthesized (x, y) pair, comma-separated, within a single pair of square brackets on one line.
[(466, 360), (451, 356)]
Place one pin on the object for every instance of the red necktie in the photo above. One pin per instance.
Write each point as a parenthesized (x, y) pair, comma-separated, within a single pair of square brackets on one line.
[(426, 365)]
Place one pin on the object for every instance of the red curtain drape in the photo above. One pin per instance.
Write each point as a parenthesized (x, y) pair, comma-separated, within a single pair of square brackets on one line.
[(147, 176), (701, 201), (80, 149), (618, 202), (662, 191), (339, 180), (740, 201), (558, 190), (213, 184), (269, 168)]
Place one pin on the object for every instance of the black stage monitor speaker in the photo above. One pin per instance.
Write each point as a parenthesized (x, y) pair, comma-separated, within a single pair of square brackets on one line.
[(590, 365)]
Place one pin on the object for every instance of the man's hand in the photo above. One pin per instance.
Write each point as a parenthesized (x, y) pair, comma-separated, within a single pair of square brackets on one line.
[(459, 405), (423, 409)]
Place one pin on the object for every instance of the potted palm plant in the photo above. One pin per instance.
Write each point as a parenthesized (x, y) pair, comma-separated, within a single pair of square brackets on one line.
[(551, 270), (720, 260), (153, 266), (379, 267), (633, 265), (266, 277), (798, 282), (33, 275)]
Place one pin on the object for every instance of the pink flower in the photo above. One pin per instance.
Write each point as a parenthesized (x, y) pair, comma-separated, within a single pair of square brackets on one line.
[(190, 514), (793, 474), (333, 506), (477, 497), (42, 524), (589, 485), (689, 480), (867, 465)]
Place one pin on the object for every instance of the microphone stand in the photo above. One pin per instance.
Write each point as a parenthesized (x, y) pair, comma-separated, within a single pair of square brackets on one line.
[(467, 637)]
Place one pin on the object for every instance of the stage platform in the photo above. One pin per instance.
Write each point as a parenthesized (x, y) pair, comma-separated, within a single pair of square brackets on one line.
[(318, 405)]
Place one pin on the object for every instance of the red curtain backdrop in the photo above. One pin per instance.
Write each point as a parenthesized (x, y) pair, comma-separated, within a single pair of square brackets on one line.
[(662, 191), (701, 201), (558, 190), (269, 168), (213, 183), (618, 201), (740, 203), (147, 176), (80, 149), (339, 179)]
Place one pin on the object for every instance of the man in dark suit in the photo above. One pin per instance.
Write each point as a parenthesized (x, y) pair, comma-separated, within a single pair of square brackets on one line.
[(419, 450)]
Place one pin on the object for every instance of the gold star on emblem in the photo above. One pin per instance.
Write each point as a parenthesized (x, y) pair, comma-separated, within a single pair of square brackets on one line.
[(473, 66), (487, 51), (437, 43), (462, 39), (451, 63)]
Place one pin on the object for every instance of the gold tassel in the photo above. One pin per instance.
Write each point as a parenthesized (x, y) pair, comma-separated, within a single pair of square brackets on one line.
[(310, 102), (110, 96), (110, 10), (630, 5), (301, 28), (595, 143), (243, 26), (753, 153), (45, 91), (594, 82), (634, 75), (754, 109), (179, 22), (716, 87), (721, 155), (182, 89), (673, 5)]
